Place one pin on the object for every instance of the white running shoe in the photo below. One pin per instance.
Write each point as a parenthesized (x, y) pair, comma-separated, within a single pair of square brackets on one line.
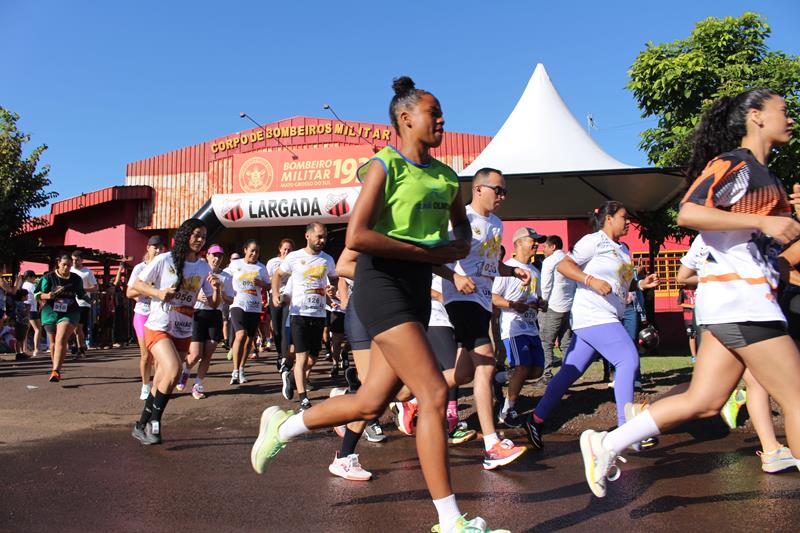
[(349, 468), (598, 461), (234, 377), (145, 392), (242, 378)]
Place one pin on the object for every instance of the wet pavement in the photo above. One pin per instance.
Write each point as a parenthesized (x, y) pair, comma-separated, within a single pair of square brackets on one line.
[(68, 463)]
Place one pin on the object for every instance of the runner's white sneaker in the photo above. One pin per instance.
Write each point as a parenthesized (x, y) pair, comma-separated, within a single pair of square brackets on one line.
[(242, 378), (599, 462), (349, 468)]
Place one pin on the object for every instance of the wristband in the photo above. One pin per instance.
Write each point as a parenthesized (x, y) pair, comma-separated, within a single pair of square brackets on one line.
[(587, 279)]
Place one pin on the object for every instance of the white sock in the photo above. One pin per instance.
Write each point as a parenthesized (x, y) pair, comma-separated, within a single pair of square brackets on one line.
[(637, 429), (413, 400), (490, 440), (508, 405), (235, 373), (292, 427), (198, 381), (447, 508)]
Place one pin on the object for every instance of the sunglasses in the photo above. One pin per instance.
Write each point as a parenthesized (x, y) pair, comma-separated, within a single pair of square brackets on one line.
[(498, 190)]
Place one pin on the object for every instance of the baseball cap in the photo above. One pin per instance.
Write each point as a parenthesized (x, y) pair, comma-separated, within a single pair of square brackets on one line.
[(216, 249), (155, 240), (528, 232)]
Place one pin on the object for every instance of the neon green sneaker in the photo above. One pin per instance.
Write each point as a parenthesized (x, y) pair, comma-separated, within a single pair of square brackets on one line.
[(730, 411), (229, 357), (268, 444), (461, 434), (476, 525)]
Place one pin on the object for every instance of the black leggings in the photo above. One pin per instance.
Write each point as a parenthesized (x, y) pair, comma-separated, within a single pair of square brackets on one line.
[(278, 316)]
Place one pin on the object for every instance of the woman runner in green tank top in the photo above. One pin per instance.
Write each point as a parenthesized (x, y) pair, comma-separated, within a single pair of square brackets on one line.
[(399, 226)]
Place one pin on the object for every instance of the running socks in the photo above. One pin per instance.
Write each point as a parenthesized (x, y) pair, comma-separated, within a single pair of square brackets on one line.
[(349, 443), (635, 430), (292, 427), (490, 440), (159, 404), (147, 412), (448, 511), (508, 404)]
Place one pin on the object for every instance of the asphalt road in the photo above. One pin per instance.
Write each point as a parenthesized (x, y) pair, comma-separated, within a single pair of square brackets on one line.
[(68, 463)]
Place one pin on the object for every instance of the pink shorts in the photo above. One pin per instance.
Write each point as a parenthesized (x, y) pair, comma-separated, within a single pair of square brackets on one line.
[(138, 324)]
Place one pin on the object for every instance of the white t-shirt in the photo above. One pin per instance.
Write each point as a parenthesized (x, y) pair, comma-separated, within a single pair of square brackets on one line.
[(142, 306), (31, 300), (88, 281), (696, 255), (439, 315), (227, 290), (482, 262), (309, 273), (512, 323), (609, 261), (248, 294), (175, 317), (272, 266), (558, 290)]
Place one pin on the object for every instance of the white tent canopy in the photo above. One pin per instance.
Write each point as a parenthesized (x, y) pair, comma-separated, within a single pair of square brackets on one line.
[(554, 169)]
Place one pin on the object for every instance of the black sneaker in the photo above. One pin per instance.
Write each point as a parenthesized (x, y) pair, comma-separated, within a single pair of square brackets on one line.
[(21, 357), (512, 418), (374, 432), (73, 350), (534, 431), (351, 376), (305, 404), (153, 432), (335, 371), (286, 379)]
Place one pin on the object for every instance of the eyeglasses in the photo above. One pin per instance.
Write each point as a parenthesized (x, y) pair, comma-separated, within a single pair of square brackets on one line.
[(498, 190)]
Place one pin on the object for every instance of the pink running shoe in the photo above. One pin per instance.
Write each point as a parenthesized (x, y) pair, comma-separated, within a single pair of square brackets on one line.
[(406, 413), (502, 453), (183, 379)]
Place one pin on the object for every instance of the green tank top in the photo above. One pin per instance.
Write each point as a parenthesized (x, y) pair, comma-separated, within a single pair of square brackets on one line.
[(417, 198)]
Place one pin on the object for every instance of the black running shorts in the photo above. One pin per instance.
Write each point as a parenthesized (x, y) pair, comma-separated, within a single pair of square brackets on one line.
[(443, 342), (390, 292), (470, 322), (354, 330), (307, 334), (336, 323), (242, 320), (741, 334), (207, 325)]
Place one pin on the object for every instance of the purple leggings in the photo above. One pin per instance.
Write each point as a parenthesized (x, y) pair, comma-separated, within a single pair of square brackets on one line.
[(614, 344)]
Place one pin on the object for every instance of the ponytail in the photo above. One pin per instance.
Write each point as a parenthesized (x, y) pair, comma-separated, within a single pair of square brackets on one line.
[(598, 217), (722, 127)]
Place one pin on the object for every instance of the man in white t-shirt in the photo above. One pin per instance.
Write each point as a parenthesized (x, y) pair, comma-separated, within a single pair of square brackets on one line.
[(518, 304), (467, 292), (85, 305), (559, 292), (310, 269)]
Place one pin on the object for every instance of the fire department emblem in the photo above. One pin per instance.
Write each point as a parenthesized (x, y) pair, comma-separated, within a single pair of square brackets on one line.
[(336, 205), (256, 175)]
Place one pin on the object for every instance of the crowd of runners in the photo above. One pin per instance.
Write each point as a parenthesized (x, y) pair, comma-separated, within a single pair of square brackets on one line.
[(406, 311)]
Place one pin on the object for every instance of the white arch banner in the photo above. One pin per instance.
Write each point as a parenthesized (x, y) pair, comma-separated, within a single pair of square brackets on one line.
[(287, 208)]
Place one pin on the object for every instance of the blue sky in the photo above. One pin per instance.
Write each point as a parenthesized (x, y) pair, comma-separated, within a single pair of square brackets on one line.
[(107, 83)]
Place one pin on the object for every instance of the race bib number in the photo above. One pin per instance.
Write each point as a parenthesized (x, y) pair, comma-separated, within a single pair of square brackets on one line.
[(61, 305), (529, 316), (183, 298), (488, 269), (312, 302)]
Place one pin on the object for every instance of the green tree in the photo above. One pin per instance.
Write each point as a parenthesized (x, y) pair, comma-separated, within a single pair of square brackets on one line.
[(22, 186), (676, 82)]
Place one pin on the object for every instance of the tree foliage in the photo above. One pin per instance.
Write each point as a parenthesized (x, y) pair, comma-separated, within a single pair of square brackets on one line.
[(676, 82), (22, 185)]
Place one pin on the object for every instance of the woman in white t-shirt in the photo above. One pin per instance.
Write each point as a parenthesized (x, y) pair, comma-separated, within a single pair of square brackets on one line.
[(743, 213), (172, 280), (141, 310), (249, 278), (35, 323), (603, 270)]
